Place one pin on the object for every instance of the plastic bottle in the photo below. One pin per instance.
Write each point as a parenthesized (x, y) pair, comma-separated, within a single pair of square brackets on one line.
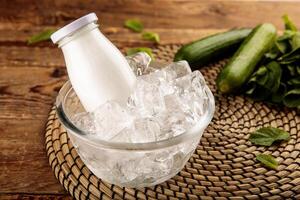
[(96, 68)]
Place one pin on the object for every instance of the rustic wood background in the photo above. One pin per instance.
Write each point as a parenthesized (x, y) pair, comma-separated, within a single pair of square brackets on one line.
[(30, 76)]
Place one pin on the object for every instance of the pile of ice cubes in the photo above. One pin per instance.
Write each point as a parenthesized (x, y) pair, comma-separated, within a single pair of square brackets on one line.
[(166, 102)]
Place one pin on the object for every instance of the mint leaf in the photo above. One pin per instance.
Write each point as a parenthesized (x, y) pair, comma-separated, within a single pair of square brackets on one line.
[(43, 36), (282, 45), (290, 57), (287, 34), (292, 70), (295, 41), (147, 50), (267, 135), (265, 81), (134, 25), (294, 81), (151, 36), (292, 98), (288, 24), (277, 96), (267, 160)]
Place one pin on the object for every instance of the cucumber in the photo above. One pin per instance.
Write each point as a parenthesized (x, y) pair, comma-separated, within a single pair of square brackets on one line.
[(242, 64), (208, 49)]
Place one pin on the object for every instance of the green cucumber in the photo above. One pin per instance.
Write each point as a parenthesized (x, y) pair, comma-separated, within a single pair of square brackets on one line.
[(208, 49), (242, 64)]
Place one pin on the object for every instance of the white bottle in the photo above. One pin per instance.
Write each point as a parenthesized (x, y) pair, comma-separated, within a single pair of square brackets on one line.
[(97, 69)]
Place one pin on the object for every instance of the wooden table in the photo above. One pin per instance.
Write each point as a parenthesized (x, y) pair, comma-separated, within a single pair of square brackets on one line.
[(30, 76)]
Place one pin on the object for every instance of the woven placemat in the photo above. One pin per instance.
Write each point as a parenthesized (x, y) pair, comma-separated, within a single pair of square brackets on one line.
[(222, 167)]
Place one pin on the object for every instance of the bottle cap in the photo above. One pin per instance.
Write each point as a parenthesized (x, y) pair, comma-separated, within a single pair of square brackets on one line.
[(73, 26)]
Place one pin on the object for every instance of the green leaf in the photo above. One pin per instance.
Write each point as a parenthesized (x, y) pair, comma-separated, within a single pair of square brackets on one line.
[(295, 41), (151, 36), (266, 136), (264, 81), (134, 25), (292, 98), (288, 24), (287, 34), (298, 69), (147, 50), (272, 54), (291, 57), (282, 46), (43, 36), (277, 96), (253, 86), (294, 81), (267, 160), (292, 70)]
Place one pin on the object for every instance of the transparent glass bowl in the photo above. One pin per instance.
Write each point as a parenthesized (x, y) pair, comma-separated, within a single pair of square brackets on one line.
[(130, 164)]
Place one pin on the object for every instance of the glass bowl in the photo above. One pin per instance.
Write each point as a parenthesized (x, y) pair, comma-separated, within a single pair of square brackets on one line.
[(130, 164)]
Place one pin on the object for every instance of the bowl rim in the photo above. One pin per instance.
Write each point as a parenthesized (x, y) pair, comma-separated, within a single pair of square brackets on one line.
[(197, 130)]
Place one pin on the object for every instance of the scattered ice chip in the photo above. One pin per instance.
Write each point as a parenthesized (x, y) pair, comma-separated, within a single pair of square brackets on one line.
[(110, 119)]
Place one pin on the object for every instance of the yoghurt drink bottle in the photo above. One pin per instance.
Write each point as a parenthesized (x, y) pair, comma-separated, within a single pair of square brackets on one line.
[(97, 70)]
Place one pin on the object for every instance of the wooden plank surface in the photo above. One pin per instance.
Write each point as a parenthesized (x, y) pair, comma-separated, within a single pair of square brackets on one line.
[(30, 76)]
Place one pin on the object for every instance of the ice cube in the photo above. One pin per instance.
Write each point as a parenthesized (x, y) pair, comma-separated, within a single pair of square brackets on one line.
[(84, 121), (198, 83), (139, 62), (192, 91), (183, 85), (155, 66), (174, 120), (146, 130), (173, 124), (155, 165), (110, 119), (124, 135), (156, 76), (164, 104), (162, 79), (147, 99), (173, 103), (178, 69)]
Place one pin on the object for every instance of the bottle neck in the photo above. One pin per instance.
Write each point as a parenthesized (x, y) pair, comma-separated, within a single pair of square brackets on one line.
[(78, 33)]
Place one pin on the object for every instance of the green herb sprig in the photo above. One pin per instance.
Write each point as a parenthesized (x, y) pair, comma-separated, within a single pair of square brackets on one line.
[(147, 50), (266, 136), (151, 36), (43, 36), (277, 79), (267, 160), (134, 25), (137, 26)]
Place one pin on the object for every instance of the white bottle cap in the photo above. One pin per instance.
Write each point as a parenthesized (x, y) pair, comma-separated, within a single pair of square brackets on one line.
[(73, 26)]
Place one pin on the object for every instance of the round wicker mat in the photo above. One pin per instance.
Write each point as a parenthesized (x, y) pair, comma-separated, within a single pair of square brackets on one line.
[(222, 167)]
